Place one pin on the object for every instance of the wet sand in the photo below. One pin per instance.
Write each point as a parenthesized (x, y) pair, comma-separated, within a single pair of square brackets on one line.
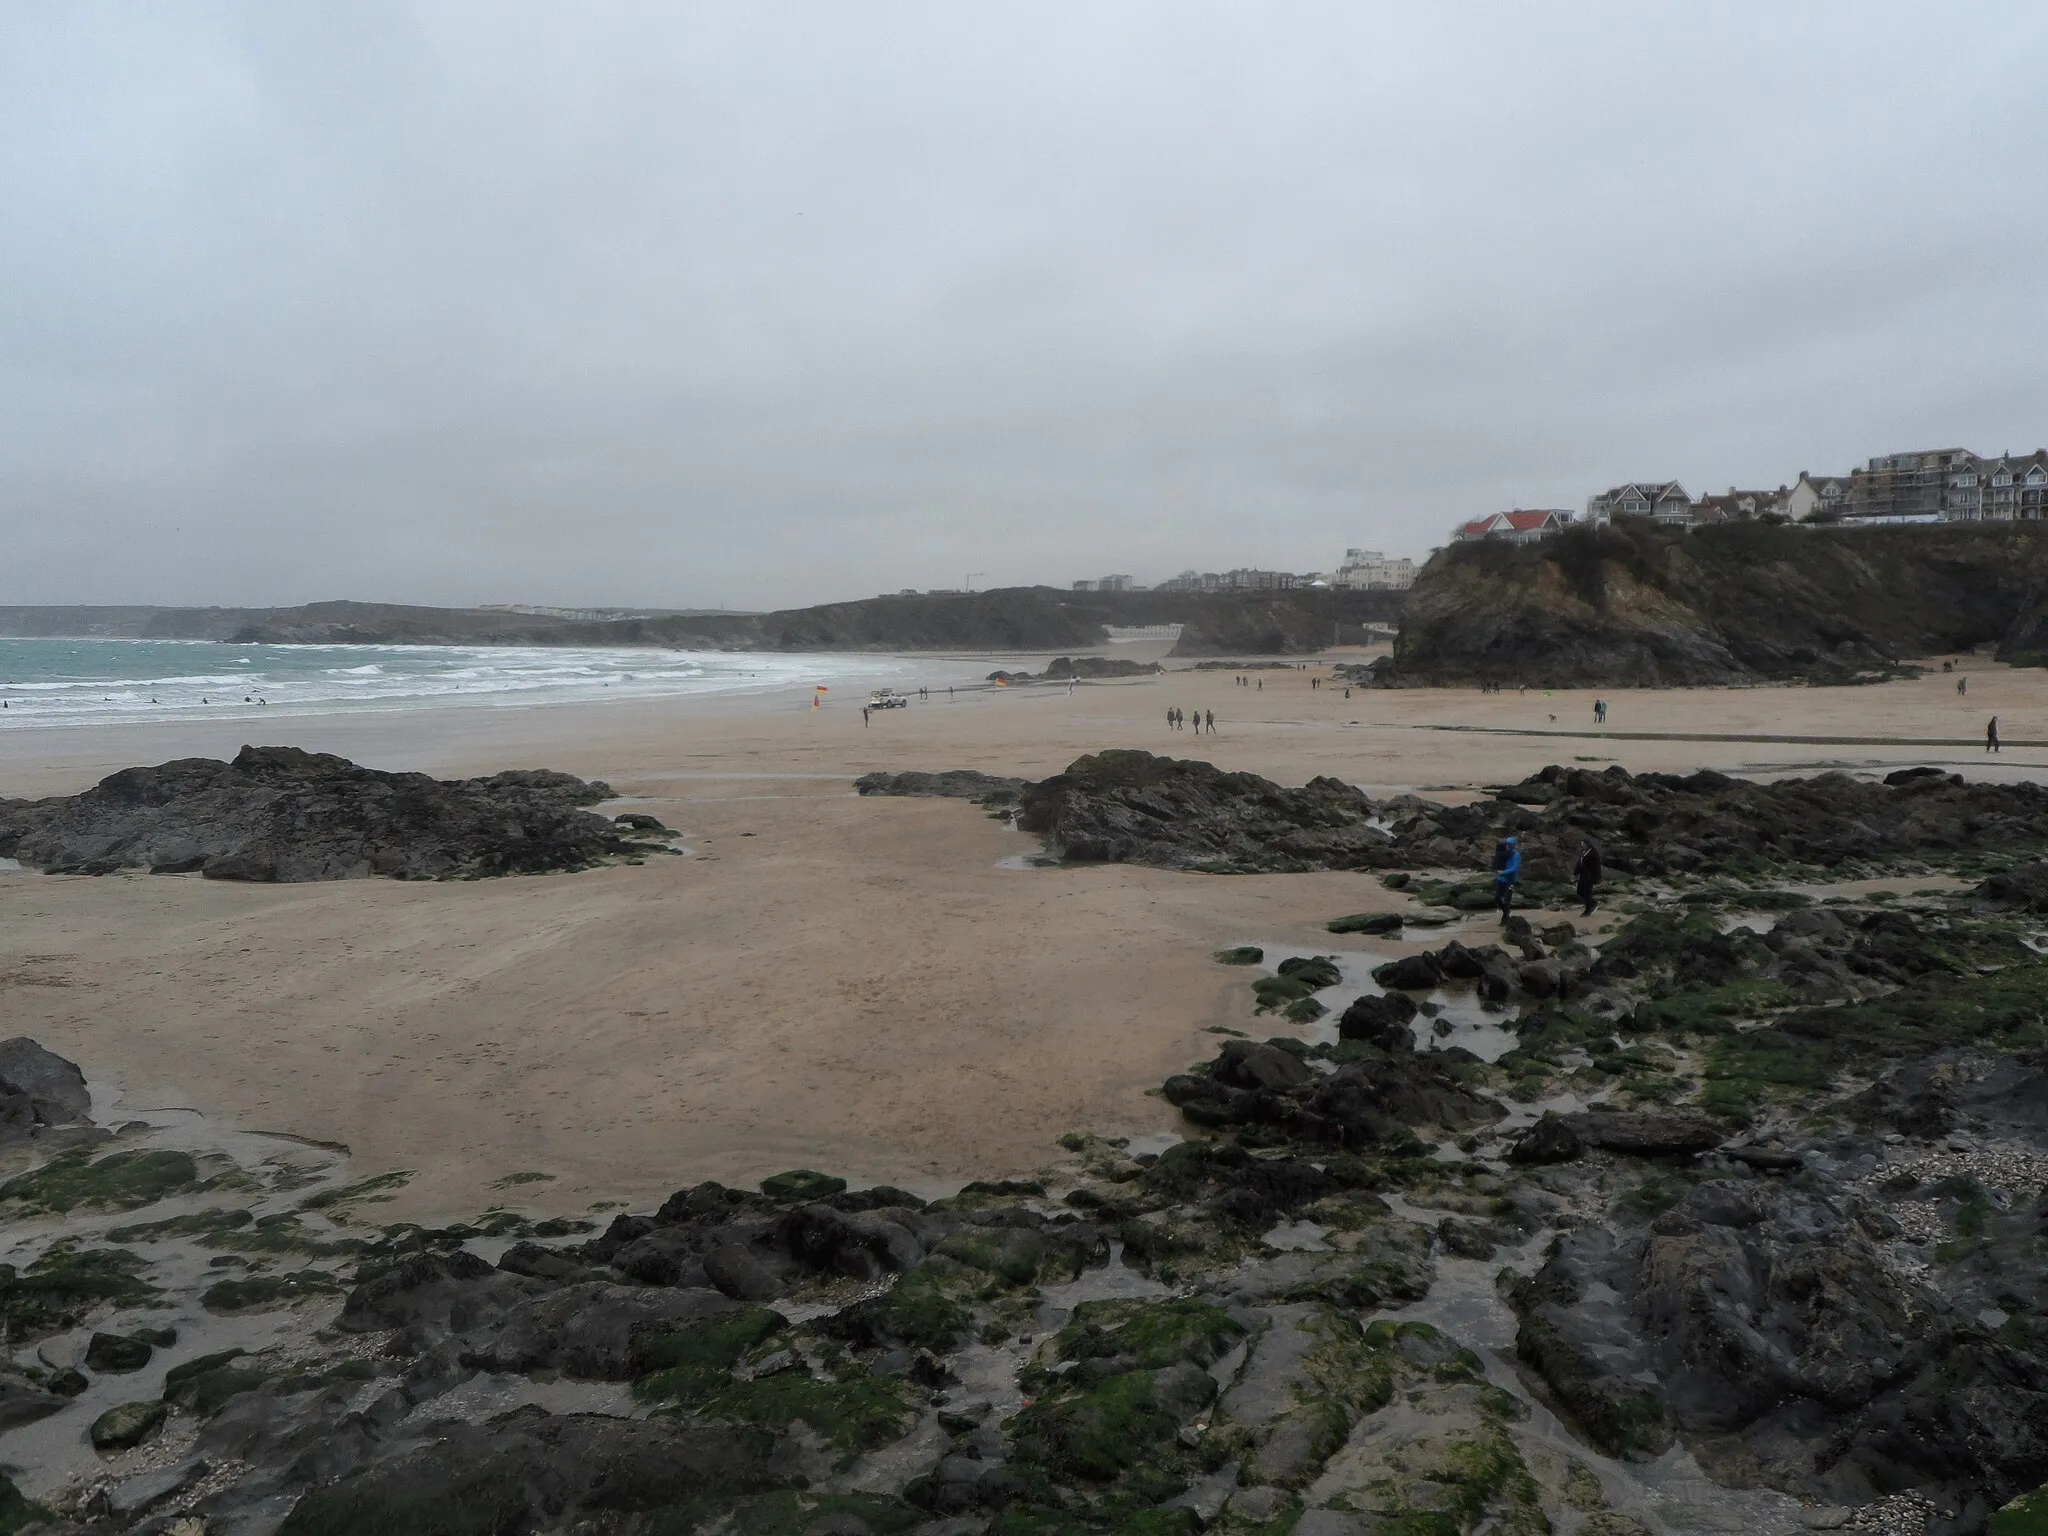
[(869, 986)]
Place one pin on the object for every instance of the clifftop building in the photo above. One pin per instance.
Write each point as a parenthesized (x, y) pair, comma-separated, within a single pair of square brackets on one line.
[(1243, 579), (1923, 486), (1515, 527), (1664, 500), (1369, 570)]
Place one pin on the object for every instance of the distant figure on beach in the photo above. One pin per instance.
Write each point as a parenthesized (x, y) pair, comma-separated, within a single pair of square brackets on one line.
[(1212, 722), (1991, 735), (1962, 685), (1948, 666), (1586, 874), (1262, 685), (863, 714), (1347, 693), (1198, 722), (1599, 711), (1507, 869)]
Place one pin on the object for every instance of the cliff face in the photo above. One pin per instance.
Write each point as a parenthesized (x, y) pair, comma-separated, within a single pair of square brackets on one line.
[(1632, 605)]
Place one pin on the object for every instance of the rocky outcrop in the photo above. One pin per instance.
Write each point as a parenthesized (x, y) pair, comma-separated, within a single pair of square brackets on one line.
[(282, 814), (1629, 605), (951, 784), (1277, 1096), (1068, 668), (2025, 888), (1135, 807)]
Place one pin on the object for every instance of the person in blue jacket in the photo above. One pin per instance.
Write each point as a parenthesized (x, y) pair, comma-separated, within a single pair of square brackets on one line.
[(1507, 869)]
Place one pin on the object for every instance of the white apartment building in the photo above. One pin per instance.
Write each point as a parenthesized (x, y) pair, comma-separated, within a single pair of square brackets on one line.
[(1369, 569)]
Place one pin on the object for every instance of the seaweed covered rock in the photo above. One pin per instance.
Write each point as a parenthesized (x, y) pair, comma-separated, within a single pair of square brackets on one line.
[(282, 814), (2025, 888), (1273, 1094), (1134, 807), (1381, 1019), (532, 1470), (951, 784)]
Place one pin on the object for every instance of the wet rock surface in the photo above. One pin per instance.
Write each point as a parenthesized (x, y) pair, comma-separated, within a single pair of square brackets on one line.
[(282, 814), (952, 784), (1136, 807), (1749, 1203)]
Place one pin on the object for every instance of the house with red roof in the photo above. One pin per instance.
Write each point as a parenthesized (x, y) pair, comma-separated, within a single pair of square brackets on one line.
[(1517, 527)]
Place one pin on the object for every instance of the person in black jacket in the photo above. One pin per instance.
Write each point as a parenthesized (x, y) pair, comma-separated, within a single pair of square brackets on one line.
[(1586, 874)]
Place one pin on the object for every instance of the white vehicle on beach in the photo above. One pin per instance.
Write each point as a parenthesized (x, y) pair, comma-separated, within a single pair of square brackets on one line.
[(887, 698)]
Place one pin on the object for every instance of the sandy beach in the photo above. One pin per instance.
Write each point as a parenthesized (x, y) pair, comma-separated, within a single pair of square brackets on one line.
[(884, 988)]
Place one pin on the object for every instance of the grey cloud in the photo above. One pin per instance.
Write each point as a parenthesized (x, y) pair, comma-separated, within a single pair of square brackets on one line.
[(768, 304)]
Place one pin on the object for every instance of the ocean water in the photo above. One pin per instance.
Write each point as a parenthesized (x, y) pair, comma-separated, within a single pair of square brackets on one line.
[(96, 682)]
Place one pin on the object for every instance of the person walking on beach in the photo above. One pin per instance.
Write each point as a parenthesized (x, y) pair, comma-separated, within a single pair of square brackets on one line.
[(1991, 735), (1962, 685), (1212, 722), (863, 714), (1586, 874), (1507, 869), (1198, 722)]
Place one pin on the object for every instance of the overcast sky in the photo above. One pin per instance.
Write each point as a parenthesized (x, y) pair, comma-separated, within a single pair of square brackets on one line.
[(764, 304)]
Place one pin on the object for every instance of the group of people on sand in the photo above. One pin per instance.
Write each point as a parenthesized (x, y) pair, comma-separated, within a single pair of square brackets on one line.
[(1176, 720)]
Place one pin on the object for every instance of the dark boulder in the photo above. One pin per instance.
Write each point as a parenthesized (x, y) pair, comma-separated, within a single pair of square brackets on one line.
[(2025, 888), (23, 1401), (1133, 807), (1253, 1064), (590, 1331), (1412, 973), (664, 1256), (431, 1297), (1549, 1140), (54, 1087), (1381, 1019), (1649, 1133), (735, 1270), (847, 1242), (118, 1352), (1313, 971), (282, 814), (1360, 1104), (1366, 922), (952, 784)]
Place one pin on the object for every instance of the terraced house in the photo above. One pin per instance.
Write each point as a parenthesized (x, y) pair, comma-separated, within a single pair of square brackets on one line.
[(1663, 500), (2006, 489)]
